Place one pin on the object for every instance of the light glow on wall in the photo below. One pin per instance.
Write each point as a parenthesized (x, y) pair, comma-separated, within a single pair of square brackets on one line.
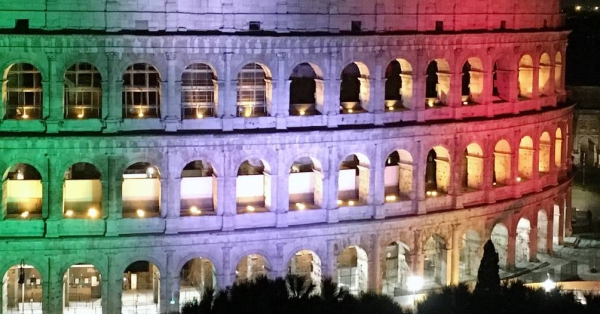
[(140, 212)]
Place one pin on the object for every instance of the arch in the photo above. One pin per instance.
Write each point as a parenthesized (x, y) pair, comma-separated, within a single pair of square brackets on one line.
[(254, 91), (307, 264), (354, 88), (395, 268), (141, 191), (253, 186), (82, 191), (472, 167), (22, 290), (82, 92), (544, 71), (196, 275), (398, 85), (198, 189), (437, 83), (305, 184), (558, 72), (501, 78), (353, 269), (502, 163), (544, 153), (470, 255), (525, 81), (437, 171), (398, 176), (522, 252), (82, 289), (22, 192), (141, 288), (22, 92), (525, 165), (306, 90), (198, 86), (435, 261), (558, 148), (252, 266), (353, 180), (472, 81), (141, 91), (543, 231), (499, 236)]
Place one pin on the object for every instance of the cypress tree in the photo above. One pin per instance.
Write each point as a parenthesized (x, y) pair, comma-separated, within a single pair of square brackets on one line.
[(488, 277)]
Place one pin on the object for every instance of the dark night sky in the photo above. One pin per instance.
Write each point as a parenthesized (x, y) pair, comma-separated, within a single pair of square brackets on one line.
[(581, 2)]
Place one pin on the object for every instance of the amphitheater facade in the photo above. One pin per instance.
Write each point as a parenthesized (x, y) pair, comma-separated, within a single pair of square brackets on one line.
[(151, 149)]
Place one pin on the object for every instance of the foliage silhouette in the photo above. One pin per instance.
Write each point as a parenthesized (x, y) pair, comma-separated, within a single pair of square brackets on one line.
[(488, 275)]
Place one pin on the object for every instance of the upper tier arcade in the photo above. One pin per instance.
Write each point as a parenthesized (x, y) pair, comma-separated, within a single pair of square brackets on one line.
[(281, 16)]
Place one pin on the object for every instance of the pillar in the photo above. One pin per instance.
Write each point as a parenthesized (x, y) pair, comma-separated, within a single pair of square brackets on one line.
[(164, 197), (568, 213), (52, 95), (329, 261), (114, 206), (227, 99), (550, 229), (229, 202), (419, 180), (533, 239), (375, 264), (170, 286), (332, 90), (511, 248), (377, 184), (377, 102), (226, 278), (561, 220), (170, 106), (535, 89), (455, 257), (112, 103), (281, 93)]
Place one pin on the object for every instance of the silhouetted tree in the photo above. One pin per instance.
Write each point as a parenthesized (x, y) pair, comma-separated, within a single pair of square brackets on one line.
[(488, 275)]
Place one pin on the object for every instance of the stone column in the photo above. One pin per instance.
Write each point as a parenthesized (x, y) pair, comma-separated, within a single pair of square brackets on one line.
[(418, 262), (568, 213), (550, 228), (170, 285), (561, 219), (488, 170), (228, 99), (282, 199), (279, 267), (164, 197), (170, 104), (330, 184), (229, 209), (329, 262), (455, 189), (112, 103), (419, 180), (377, 184), (514, 167), (115, 196), (535, 90), (535, 169), (52, 89), (376, 104), (375, 264), (332, 90), (281, 102), (455, 257), (227, 278), (115, 285), (173, 202), (533, 241), (511, 248)]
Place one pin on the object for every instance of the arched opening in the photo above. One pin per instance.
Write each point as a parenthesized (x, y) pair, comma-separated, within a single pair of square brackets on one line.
[(195, 276), (253, 91), (398, 85), (437, 83), (398, 176), (525, 77), (355, 88), (544, 75), (542, 231), (499, 237), (525, 158), (306, 90), (307, 264), (472, 168), (22, 192), (587, 152), (502, 157), (82, 289), (141, 288), (305, 184), (544, 153), (437, 172), (83, 92), (22, 92), (472, 81), (252, 266), (558, 148), (353, 269), (198, 191), (22, 290), (501, 78), (435, 263), (82, 192), (469, 256), (396, 269), (141, 92), (198, 86), (253, 189), (353, 181), (558, 68), (522, 253), (141, 191)]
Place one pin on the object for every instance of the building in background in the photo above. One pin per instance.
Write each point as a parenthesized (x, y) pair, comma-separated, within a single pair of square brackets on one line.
[(151, 149)]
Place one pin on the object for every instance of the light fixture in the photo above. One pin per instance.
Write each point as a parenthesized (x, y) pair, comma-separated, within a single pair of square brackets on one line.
[(465, 102), (150, 171), (596, 8), (247, 113), (414, 284), (25, 214), (577, 8), (140, 213), (25, 115), (391, 108), (300, 206), (92, 212), (351, 203), (20, 175), (340, 202), (434, 193), (69, 213), (390, 198), (140, 114), (302, 112), (518, 179), (250, 208), (494, 184), (350, 111), (549, 285), (199, 115), (81, 114), (428, 193), (194, 210), (430, 102)]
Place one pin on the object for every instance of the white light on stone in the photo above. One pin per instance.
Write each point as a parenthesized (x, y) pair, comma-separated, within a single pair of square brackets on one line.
[(549, 285), (351, 203), (25, 214), (20, 175), (140, 213), (69, 213), (194, 210), (250, 208), (92, 212)]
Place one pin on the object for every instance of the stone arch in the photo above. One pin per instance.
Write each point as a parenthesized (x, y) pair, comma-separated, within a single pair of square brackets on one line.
[(525, 77), (502, 163), (82, 92), (355, 88), (543, 231), (558, 148), (501, 78), (27, 283), (396, 268), (306, 263), (470, 247), (307, 90), (500, 238), (353, 269), (472, 167), (23, 92), (198, 91), (544, 79), (198, 189), (544, 153), (353, 180), (254, 90), (253, 186), (558, 71), (472, 81), (251, 266), (435, 266), (522, 251), (437, 83), (141, 191), (398, 176), (22, 192), (196, 275), (437, 172), (398, 85), (141, 91), (82, 191), (305, 184), (525, 165), (82, 288), (141, 287)]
